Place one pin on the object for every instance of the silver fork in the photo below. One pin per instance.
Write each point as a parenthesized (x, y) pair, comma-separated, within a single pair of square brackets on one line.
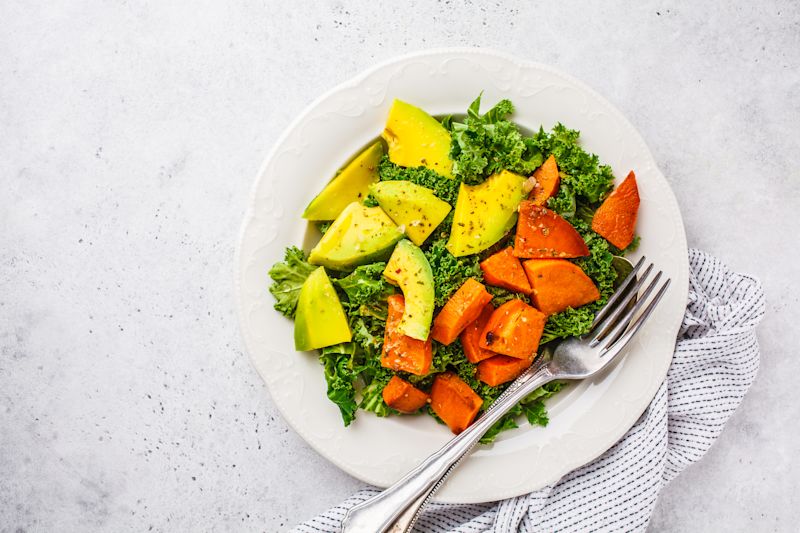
[(396, 509)]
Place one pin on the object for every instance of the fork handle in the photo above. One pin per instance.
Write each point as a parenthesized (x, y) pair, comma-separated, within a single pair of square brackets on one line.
[(404, 499)]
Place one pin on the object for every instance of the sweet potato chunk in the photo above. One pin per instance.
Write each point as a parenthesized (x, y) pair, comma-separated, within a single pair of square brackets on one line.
[(401, 352), (514, 329), (401, 395), (546, 180), (558, 284), (461, 309), (615, 219), (454, 401), (542, 233), (503, 269), (471, 336), (502, 369)]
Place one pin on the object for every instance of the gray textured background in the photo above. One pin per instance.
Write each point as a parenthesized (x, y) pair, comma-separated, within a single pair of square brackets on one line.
[(130, 133)]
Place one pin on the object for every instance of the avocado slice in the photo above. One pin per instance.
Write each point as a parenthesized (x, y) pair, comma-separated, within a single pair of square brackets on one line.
[(320, 319), (349, 185), (485, 212), (412, 207), (409, 268), (417, 139), (359, 235)]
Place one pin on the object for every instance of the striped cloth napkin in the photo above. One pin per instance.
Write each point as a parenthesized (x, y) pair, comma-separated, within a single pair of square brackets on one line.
[(715, 362)]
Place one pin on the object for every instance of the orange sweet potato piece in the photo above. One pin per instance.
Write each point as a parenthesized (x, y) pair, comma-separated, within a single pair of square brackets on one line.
[(471, 336), (514, 329), (461, 309), (542, 233), (503, 269), (546, 180), (502, 369), (401, 352), (558, 284), (401, 395), (454, 401), (615, 219)]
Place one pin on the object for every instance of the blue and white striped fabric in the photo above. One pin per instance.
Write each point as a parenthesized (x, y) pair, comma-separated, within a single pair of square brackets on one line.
[(716, 360)]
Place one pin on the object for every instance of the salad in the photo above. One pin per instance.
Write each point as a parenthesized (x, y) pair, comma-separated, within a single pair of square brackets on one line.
[(453, 252)]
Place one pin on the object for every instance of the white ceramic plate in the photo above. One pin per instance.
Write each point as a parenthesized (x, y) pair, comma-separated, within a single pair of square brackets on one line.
[(585, 419)]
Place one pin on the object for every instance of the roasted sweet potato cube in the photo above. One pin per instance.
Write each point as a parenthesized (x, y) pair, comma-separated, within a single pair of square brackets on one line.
[(401, 352), (454, 401), (502, 369), (558, 284), (514, 329), (503, 269), (615, 219), (471, 336), (542, 233), (545, 182), (461, 309), (401, 395)]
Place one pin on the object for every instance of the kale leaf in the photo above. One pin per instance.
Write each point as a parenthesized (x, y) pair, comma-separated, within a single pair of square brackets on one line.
[(583, 178), (450, 272), (370, 201), (364, 285), (443, 187), (501, 295), (532, 407), (288, 277), (372, 394), (337, 363), (324, 225), (368, 330), (485, 144)]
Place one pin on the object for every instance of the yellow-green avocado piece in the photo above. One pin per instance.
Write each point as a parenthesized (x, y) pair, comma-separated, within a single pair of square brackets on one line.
[(320, 320), (409, 269), (485, 212), (417, 139), (349, 185), (412, 207), (359, 235)]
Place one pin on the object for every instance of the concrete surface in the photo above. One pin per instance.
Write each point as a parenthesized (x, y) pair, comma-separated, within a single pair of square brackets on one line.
[(129, 136)]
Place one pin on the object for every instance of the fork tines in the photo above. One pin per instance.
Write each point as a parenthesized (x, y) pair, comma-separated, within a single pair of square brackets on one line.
[(614, 325)]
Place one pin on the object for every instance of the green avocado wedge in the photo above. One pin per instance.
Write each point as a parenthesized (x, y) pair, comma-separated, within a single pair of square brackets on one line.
[(359, 235), (485, 212), (409, 269), (414, 208), (349, 185), (417, 139), (320, 319)]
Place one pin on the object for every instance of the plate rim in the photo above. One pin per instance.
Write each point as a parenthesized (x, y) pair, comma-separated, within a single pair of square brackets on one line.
[(632, 414)]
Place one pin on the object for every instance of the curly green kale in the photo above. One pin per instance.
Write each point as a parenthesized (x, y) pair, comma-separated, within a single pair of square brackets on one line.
[(450, 272), (372, 394), (488, 143), (368, 330), (288, 277), (337, 363), (323, 225), (532, 407), (443, 187), (583, 178), (365, 285), (366, 308), (501, 295), (370, 201)]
